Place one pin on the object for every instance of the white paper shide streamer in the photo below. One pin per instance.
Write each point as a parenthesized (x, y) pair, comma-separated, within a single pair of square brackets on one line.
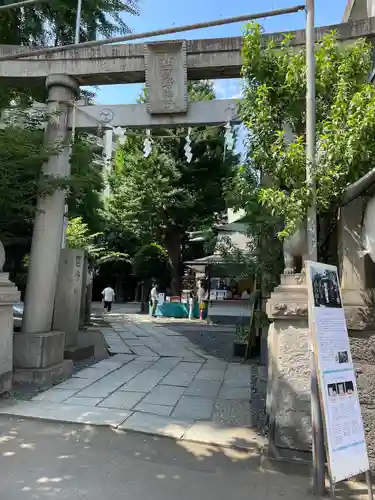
[(229, 139), (121, 134), (187, 148), (147, 144)]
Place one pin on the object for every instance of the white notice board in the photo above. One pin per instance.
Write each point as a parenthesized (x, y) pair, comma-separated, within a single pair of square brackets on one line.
[(342, 419)]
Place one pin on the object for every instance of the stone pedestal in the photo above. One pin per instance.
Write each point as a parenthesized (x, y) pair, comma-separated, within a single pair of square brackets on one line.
[(39, 358), (67, 310), (288, 388), (9, 295)]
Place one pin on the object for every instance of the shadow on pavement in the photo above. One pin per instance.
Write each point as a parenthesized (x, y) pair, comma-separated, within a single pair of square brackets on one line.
[(41, 460)]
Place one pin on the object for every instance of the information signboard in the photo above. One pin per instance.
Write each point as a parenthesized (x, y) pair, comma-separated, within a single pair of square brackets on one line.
[(342, 419)]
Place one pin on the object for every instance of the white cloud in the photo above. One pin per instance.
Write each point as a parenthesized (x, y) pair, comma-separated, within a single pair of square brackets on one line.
[(228, 89)]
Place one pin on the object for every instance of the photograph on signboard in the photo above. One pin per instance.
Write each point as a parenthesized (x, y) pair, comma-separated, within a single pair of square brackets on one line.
[(332, 390), (342, 357), (340, 389), (325, 287)]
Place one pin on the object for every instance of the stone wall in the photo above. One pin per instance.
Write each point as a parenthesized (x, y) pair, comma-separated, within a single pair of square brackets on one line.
[(357, 273), (363, 353)]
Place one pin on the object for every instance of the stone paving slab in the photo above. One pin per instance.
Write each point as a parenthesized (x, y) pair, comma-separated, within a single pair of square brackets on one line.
[(90, 373), (213, 375), (123, 400), (100, 389), (67, 413), (81, 401), (194, 408), (183, 374), (161, 410), (203, 388), (145, 381), (156, 424), (166, 395), (75, 384), (55, 395)]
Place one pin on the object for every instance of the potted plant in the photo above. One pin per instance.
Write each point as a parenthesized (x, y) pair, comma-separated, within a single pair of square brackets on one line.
[(240, 342)]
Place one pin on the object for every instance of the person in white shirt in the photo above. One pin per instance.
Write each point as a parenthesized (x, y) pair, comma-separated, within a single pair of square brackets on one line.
[(109, 296), (191, 305), (154, 299)]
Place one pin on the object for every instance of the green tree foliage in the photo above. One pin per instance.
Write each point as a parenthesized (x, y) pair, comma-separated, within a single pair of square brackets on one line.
[(85, 196), (21, 156), (21, 180), (274, 101), (162, 197), (151, 263), (53, 23), (78, 235)]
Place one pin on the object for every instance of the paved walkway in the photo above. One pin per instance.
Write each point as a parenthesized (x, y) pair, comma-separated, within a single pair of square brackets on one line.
[(156, 381), (44, 460)]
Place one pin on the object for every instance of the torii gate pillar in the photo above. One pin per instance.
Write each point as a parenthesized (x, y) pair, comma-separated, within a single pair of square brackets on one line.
[(39, 352)]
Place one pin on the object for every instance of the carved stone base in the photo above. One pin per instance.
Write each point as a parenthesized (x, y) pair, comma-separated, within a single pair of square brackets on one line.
[(288, 389), (38, 350), (38, 358)]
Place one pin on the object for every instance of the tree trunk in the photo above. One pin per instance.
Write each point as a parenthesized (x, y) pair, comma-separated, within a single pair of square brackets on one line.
[(145, 292), (173, 247)]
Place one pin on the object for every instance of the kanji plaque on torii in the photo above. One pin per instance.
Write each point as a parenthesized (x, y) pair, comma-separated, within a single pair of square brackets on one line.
[(166, 77)]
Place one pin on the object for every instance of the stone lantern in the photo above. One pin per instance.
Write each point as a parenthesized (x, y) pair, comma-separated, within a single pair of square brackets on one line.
[(9, 295)]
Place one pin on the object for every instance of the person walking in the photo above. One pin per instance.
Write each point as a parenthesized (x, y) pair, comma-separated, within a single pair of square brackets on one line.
[(109, 296), (154, 299)]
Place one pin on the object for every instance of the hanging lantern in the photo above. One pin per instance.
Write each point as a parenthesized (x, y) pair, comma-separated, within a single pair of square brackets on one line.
[(121, 134), (187, 148), (229, 139), (147, 144)]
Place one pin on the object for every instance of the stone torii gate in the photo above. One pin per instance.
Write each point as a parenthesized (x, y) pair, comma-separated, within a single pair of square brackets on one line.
[(166, 68), (37, 348)]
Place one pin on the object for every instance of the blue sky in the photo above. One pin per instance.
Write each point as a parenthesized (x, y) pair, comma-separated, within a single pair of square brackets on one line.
[(159, 14)]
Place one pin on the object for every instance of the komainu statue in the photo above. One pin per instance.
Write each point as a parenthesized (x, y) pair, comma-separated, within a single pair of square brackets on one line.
[(295, 250)]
